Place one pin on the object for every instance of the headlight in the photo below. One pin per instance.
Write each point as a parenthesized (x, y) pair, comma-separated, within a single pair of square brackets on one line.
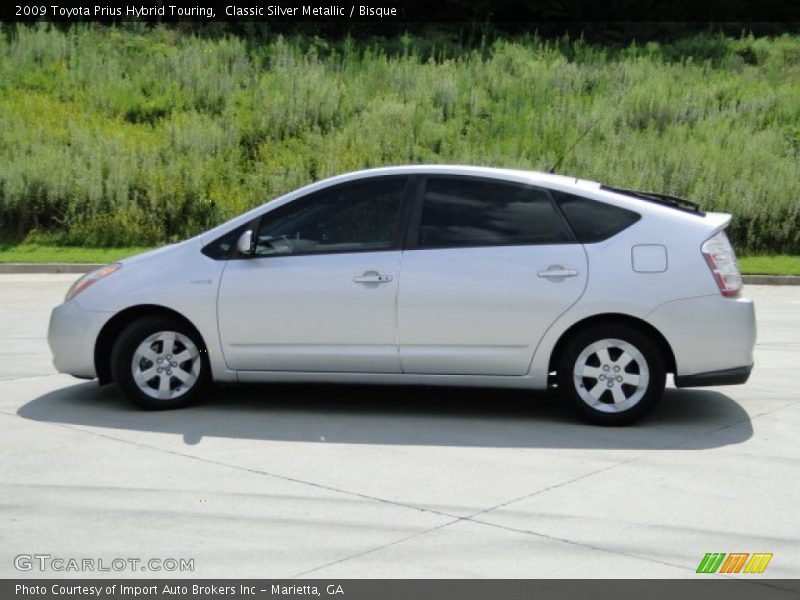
[(90, 279)]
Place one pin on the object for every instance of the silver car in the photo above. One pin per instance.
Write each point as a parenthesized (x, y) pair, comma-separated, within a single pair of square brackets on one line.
[(433, 275)]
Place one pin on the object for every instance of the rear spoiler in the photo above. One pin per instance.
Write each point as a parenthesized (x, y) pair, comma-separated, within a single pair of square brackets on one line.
[(665, 199), (716, 221)]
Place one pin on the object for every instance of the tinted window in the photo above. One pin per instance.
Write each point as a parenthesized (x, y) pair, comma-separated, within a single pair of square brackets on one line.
[(594, 221), (220, 249), (473, 212), (355, 217)]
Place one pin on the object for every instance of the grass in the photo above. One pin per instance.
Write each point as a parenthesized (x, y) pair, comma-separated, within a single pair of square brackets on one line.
[(132, 136), (37, 253), (770, 265)]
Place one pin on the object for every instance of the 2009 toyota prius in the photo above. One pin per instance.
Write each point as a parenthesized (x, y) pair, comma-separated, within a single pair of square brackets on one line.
[(427, 275)]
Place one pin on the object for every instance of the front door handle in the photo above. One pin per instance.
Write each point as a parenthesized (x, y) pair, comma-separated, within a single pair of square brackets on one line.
[(372, 277), (557, 273)]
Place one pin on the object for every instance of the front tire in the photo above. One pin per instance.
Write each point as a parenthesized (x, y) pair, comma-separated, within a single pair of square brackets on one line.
[(159, 363), (612, 374)]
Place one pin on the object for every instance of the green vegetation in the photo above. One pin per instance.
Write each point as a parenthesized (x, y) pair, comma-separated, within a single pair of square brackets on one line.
[(129, 136), (770, 265), (35, 253)]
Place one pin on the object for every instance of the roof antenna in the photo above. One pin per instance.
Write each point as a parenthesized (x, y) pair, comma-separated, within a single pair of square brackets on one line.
[(552, 169)]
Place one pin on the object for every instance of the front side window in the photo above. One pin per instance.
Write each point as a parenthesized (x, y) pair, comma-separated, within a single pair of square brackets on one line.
[(355, 217), (222, 247), (459, 212)]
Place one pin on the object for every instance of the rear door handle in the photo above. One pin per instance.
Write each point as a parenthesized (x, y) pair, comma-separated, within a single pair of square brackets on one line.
[(372, 277), (557, 273)]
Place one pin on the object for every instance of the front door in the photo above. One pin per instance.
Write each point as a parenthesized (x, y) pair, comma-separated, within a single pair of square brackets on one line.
[(319, 293)]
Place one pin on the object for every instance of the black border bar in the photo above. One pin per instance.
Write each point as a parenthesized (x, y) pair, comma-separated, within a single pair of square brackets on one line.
[(703, 587), (406, 11)]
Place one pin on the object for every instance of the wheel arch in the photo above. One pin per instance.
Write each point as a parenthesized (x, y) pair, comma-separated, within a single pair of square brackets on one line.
[(608, 318), (114, 326)]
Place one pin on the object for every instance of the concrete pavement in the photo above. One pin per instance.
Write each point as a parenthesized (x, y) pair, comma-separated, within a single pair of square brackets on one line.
[(315, 481)]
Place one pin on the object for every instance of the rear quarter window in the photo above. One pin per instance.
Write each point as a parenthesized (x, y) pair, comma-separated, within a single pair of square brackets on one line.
[(591, 220)]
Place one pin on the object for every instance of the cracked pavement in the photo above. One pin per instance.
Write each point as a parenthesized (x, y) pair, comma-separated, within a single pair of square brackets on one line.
[(285, 481)]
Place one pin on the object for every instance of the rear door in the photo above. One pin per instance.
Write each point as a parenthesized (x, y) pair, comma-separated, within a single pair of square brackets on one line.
[(489, 265)]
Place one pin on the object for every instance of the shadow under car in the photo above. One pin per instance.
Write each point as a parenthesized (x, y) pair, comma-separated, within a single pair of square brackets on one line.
[(686, 419)]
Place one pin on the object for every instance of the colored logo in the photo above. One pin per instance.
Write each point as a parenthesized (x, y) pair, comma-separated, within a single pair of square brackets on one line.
[(735, 562)]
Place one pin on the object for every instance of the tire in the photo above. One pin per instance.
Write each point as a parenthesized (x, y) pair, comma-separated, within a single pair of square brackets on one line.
[(143, 348), (612, 374)]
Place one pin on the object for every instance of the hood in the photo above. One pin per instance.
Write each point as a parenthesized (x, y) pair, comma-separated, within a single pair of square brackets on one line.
[(157, 253)]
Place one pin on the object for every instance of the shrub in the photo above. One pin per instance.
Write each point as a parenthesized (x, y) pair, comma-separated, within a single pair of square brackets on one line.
[(117, 136)]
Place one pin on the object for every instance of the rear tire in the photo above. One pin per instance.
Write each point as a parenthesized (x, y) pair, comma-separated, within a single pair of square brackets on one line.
[(611, 374), (160, 363)]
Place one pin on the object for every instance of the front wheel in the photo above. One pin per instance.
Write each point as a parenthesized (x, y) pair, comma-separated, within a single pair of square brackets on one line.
[(612, 374), (159, 363)]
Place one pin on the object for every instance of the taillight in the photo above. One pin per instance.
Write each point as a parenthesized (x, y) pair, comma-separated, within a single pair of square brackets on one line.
[(721, 259)]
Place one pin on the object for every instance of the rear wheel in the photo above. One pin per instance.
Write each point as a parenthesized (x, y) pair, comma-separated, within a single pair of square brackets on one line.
[(612, 374), (159, 363)]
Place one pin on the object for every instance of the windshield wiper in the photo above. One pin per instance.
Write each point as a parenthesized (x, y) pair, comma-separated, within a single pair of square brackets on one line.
[(665, 199)]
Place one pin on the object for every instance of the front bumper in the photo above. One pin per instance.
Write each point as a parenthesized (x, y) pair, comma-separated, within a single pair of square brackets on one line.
[(734, 376), (71, 335)]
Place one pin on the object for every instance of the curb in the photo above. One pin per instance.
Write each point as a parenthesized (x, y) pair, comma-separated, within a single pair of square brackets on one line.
[(771, 279), (9, 268), (43, 268)]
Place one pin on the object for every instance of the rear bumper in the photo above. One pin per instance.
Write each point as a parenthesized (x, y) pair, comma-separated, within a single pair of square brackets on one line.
[(726, 377), (709, 335)]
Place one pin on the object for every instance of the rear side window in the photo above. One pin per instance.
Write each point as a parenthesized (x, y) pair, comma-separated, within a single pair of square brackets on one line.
[(458, 212), (594, 221)]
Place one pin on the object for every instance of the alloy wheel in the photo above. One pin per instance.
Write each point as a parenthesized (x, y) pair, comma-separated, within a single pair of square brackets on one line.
[(166, 365), (611, 375)]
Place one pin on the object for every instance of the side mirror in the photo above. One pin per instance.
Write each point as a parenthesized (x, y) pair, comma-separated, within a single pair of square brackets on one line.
[(245, 243)]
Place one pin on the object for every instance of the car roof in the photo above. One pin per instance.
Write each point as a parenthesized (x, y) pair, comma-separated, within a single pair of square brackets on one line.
[(537, 177)]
